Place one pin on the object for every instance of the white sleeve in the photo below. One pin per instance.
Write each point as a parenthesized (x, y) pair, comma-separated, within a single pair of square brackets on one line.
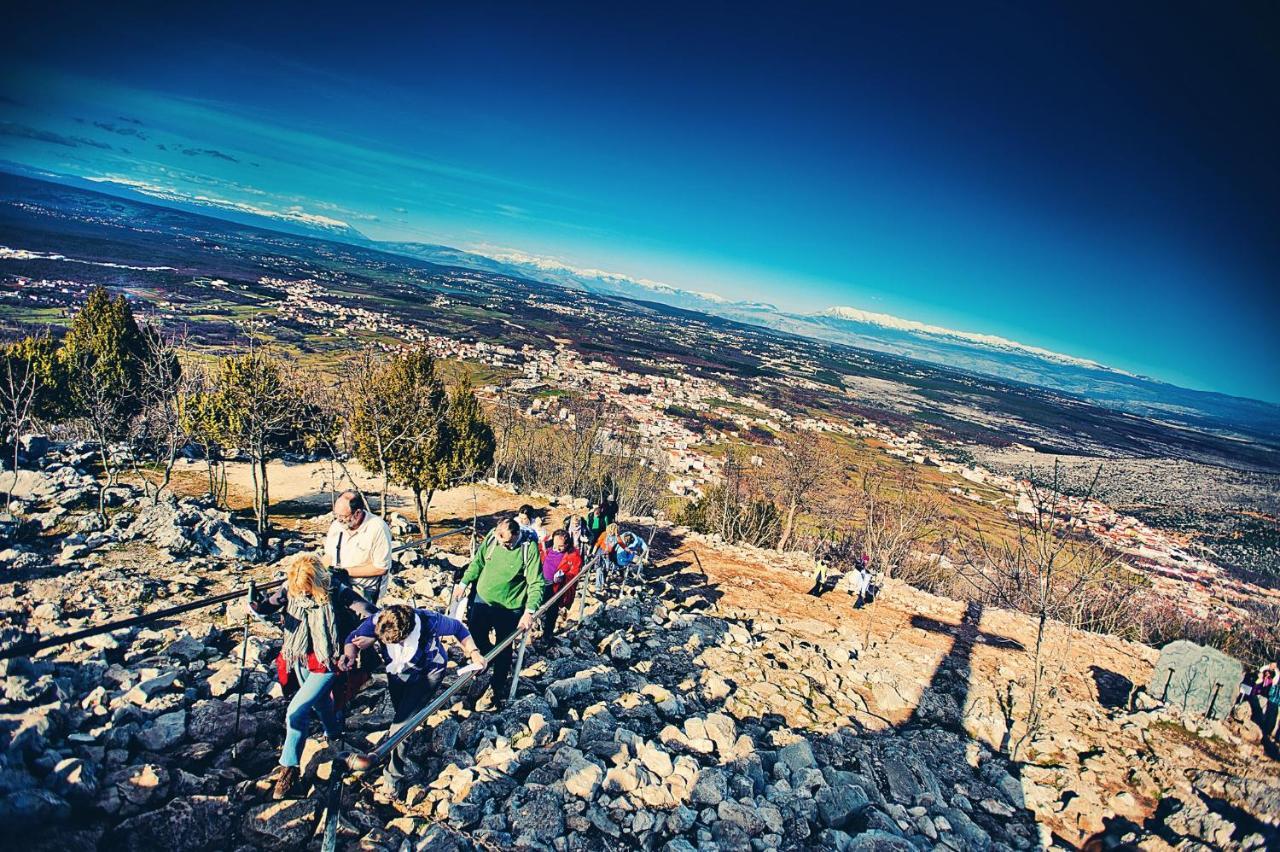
[(380, 548), (331, 546)]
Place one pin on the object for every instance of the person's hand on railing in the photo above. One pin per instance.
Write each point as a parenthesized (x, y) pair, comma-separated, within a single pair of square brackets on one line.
[(459, 592), (477, 659), (349, 658), (526, 622)]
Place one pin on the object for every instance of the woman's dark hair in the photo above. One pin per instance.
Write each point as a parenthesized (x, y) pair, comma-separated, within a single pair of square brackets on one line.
[(393, 624), (560, 536)]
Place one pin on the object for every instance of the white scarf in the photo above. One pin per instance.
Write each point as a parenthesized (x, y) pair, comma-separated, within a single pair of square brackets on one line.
[(400, 654)]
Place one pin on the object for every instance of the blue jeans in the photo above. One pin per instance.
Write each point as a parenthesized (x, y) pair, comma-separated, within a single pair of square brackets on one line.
[(313, 694)]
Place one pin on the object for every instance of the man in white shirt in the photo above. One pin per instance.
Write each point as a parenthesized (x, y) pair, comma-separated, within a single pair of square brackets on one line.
[(360, 544)]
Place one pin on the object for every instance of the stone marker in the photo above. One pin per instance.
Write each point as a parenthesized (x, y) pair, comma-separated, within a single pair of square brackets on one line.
[(1198, 679)]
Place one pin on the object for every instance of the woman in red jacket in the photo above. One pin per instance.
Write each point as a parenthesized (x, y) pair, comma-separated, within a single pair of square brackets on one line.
[(560, 565)]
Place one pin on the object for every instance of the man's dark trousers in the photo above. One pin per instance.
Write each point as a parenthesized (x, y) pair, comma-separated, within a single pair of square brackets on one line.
[(484, 618)]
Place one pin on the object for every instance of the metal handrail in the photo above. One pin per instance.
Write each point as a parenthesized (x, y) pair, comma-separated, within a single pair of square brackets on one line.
[(32, 647), (365, 762), (362, 763)]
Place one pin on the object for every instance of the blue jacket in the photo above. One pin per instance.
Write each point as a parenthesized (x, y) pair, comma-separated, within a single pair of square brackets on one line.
[(430, 656)]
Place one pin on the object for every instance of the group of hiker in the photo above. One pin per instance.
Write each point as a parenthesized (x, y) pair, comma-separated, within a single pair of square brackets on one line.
[(335, 634), (858, 581)]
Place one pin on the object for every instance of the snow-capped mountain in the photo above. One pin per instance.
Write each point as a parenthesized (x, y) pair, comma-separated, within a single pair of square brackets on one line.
[(888, 321), (974, 352)]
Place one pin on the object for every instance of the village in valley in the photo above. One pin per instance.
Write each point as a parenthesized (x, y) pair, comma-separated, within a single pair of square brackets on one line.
[(545, 374)]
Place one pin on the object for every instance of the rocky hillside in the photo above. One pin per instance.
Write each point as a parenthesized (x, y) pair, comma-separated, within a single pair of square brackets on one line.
[(719, 707)]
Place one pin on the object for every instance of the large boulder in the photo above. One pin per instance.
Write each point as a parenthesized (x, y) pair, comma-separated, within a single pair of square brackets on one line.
[(194, 822), (185, 528), (213, 722), (582, 778), (837, 806), (538, 818), (164, 732), (24, 809), (281, 825)]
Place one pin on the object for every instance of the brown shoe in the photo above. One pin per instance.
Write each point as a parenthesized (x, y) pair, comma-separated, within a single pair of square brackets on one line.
[(284, 782)]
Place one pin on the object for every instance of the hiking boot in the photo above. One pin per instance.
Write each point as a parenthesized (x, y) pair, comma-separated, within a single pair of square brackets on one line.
[(285, 780)]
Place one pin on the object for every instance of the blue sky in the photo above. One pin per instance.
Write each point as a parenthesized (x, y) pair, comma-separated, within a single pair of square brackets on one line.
[(1096, 181)]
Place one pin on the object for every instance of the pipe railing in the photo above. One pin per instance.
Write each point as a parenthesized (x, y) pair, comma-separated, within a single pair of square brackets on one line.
[(367, 761), (362, 763), (32, 647)]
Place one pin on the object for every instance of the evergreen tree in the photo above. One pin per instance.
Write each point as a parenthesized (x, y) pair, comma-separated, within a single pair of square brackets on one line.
[(251, 404), (400, 428), (473, 441), (34, 360), (103, 353)]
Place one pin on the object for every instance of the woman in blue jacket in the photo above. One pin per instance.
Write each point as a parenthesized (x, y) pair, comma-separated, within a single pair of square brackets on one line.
[(408, 640)]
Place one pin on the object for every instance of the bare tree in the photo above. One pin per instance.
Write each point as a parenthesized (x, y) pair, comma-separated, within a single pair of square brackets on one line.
[(374, 418), (100, 401), (898, 518), (325, 419), (736, 508), (511, 432), (199, 421), (796, 469), (20, 387), (158, 430), (1049, 571)]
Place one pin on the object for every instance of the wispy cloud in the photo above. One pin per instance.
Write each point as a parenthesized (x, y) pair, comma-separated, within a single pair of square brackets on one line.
[(294, 213), (209, 152), (111, 127), (24, 131)]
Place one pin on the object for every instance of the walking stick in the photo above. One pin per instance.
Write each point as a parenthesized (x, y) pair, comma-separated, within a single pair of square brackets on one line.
[(244, 655)]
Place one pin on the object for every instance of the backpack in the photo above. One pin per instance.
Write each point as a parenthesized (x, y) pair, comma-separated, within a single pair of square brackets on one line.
[(492, 539)]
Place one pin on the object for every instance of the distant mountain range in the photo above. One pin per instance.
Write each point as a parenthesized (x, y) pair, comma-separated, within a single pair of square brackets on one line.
[(978, 353), (967, 351)]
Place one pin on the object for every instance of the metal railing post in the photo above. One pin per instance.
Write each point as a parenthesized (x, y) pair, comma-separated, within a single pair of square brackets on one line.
[(515, 672), (244, 657), (329, 843)]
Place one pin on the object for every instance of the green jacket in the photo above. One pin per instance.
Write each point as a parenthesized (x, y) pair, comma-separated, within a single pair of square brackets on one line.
[(511, 579)]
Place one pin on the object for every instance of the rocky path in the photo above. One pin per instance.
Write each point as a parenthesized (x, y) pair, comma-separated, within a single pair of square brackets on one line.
[(719, 708)]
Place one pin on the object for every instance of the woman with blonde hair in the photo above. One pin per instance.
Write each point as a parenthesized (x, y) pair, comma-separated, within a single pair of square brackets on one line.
[(608, 540), (315, 607)]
